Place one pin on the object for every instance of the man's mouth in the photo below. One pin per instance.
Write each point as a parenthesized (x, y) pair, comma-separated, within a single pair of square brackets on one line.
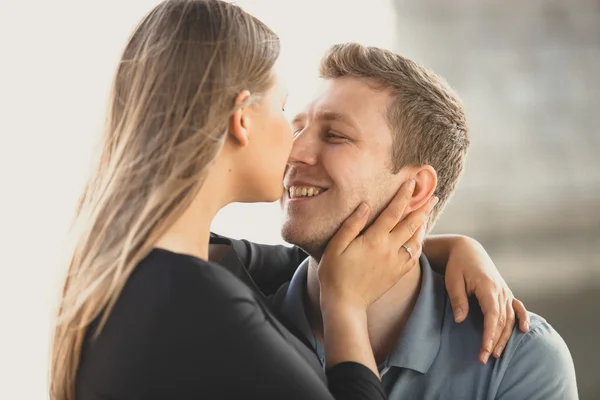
[(297, 192)]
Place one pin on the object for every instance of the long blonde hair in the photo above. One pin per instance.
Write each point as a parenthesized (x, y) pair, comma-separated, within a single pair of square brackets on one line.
[(171, 100)]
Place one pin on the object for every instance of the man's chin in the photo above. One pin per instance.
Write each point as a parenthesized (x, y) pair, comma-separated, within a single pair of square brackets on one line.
[(307, 239)]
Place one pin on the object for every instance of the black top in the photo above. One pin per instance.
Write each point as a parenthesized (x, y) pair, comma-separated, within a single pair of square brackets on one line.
[(184, 328), (265, 268)]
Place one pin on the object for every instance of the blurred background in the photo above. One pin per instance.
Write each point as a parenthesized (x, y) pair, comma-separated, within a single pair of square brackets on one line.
[(526, 71)]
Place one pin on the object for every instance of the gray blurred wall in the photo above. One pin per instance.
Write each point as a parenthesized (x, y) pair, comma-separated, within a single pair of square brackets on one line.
[(529, 75)]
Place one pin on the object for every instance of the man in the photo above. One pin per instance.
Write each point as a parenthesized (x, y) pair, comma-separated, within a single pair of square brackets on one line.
[(380, 120)]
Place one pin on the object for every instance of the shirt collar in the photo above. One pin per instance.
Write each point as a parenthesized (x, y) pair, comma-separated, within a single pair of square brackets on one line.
[(420, 341)]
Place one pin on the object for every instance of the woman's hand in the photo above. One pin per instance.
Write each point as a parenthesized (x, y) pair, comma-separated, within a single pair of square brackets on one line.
[(356, 270), (471, 271)]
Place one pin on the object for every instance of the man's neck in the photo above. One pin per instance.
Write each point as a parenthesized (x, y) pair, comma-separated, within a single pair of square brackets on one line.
[(386, 317)]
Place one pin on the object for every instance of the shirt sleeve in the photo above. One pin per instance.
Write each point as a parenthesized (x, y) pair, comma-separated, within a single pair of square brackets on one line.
[(541, 368), (220, 342), (351, 380), (270, 266)]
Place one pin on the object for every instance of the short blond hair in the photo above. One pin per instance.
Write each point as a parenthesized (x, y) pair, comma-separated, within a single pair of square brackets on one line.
[(425, 115)]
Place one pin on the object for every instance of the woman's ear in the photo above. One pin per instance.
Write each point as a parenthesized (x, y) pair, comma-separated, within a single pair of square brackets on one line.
[(239, 122), (426, 183)]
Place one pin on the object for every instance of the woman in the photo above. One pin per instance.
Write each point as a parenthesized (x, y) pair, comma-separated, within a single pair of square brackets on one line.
[(195, 123)]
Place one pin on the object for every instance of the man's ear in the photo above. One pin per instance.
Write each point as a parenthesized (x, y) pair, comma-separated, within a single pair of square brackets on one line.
[(426, 183), (239, 122)]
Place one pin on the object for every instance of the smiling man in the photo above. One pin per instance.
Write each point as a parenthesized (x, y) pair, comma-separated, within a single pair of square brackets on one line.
[(379, 121)]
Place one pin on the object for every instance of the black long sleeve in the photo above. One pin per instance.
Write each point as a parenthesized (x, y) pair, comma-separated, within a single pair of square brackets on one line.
[(184, 328), (269, 266)]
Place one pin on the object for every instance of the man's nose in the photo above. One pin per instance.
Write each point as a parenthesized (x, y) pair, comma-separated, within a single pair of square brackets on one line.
[(305, 149)]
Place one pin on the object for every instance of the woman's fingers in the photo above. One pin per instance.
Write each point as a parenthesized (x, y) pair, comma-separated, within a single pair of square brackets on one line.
[(508, 327), (391, 215), (349, 230)]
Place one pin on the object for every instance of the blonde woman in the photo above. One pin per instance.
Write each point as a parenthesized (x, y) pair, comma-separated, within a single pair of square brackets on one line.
[(195, 123)]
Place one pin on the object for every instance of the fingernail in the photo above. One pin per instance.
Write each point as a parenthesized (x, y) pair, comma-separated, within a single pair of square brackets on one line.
[(526, 326), (499, 351), (434, 200), (488, 348), (485, 358), (460, 313), (362, 210)]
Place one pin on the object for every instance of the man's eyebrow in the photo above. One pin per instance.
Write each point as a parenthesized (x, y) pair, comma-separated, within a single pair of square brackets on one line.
[(325, 115), (335, 116)]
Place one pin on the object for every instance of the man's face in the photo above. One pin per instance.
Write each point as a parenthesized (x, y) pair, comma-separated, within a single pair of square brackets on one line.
[(342, 156)]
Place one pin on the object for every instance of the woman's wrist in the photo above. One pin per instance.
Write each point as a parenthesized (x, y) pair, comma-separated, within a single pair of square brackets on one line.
[(347, 336), (439, 248), (340, 304)]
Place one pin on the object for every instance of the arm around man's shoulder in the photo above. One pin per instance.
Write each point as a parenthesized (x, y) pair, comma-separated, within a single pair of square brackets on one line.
[(540, 366), (269, 266)]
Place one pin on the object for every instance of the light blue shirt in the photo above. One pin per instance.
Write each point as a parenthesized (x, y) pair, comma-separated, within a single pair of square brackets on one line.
[(436, 358)]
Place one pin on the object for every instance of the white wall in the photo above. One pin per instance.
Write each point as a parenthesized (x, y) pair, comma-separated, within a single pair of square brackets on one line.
[(57, 59)]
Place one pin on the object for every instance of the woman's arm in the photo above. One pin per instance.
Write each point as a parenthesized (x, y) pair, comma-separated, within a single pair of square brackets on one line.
[(219, 342), (269, 266), (469, 270), (348, 287), (437, 250)]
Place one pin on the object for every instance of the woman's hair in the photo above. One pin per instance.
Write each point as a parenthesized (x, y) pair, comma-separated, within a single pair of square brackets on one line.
[(172, 97)]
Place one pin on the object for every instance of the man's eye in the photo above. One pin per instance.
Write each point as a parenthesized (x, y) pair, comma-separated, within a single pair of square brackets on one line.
[(332, 135)]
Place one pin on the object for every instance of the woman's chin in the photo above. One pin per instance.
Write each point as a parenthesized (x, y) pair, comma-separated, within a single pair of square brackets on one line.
[(275, 195)]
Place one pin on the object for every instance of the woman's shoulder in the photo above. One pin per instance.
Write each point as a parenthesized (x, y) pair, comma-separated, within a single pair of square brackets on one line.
[(176, 314), (176, 275), (170, 289)]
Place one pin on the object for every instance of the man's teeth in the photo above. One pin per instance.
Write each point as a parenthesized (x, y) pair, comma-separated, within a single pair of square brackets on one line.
[(297, 191)]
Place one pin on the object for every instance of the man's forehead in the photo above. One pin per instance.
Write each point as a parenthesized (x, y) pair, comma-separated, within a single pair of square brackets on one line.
[(344, 100)]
